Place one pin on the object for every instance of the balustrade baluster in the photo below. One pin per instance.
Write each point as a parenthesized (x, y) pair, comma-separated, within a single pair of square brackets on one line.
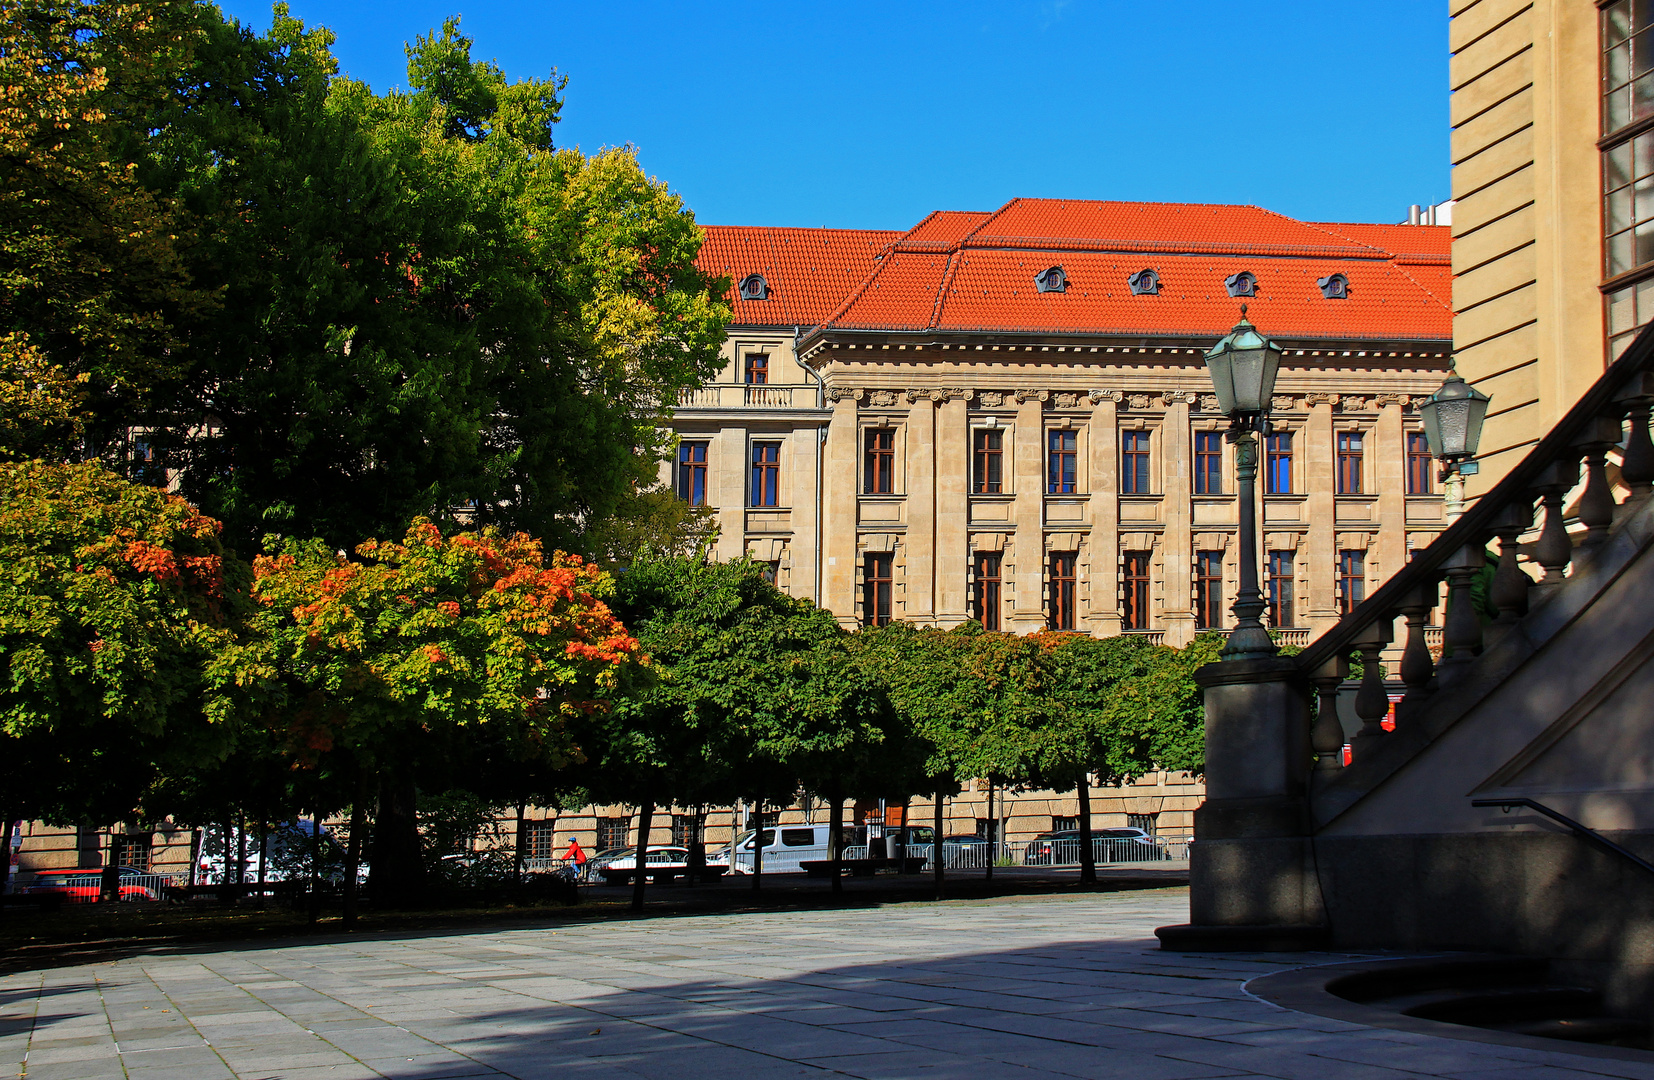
[(1510, 582), (1596, 502), (1462, 634), (1327, 736), (1554, 550), (1637, 466), (1372, 701), (1418, 670)]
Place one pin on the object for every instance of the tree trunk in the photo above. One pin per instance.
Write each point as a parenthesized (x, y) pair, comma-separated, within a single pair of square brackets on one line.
[(263, 859), (396, 874), (993, 835), (353, 853), (315, 867), (640, 859), (1088, 857), (5, 855), (936, 842), (522, 837), (758, 846), (835, 841)]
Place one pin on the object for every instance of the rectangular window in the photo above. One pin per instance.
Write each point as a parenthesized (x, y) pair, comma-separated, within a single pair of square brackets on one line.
[(147, 467), (1208, 463), (1277, 476), (1062, 590), (875, 589), (683, 830), (985, 827), (1352, 580), (879, 462), (1279, 589), (1349, 463), (758, 368), (1060, 474), (1149, 823), (987, 471), (1064, 824), (1208, 590), (766, 474), (1134, 462), (612, 832), (540, 840), (1137, 590), (1419, 464), (985, 594), (134, 851), (692, 473)]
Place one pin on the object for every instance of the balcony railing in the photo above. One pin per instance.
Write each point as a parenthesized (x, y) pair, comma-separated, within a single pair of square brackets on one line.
[(747, 395), (1614, 412), (1155, 637)]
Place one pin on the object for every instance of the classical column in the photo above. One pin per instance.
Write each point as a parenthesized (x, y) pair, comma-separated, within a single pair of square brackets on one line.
[(733, 461), (838, 527), (1103, 611), (1177, 615), (1028, 472), (919, 574), (1390, 473), (953, 478), (1322, 509)]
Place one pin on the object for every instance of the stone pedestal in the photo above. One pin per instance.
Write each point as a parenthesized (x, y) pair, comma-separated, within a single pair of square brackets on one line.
[(1251, 868)]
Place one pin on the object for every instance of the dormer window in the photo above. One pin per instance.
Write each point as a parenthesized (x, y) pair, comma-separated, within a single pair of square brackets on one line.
[(1244, 283), (754, 287), (1144, 282), (1052, 280), (1334, 286)]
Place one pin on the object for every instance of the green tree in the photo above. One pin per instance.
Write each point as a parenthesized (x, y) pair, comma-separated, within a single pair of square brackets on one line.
[(426, 307), (114, 597), (373, 667)]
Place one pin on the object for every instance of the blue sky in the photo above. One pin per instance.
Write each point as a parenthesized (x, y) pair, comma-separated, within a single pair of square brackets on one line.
[(766, 112)]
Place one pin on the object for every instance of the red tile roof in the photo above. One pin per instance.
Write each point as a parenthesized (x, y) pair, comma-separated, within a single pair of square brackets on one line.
[(809, 271), (974, 272)]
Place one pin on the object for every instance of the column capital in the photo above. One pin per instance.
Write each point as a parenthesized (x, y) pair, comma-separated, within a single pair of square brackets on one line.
[(1024, 396), (836, 393), (1099, 396), (1318, 398), (1386, 400), (1178, 397)]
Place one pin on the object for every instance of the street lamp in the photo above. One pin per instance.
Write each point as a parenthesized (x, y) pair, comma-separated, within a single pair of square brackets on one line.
[(1243, 366), (1453, 427)]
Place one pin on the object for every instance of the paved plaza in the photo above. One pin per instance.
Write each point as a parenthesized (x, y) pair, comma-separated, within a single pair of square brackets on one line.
[(1023, 988)]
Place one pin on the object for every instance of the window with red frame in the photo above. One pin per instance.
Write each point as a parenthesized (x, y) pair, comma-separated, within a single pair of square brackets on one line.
[(1061, 585), (1208, 463), (1136, 592), (986, 590), (876, 589), (1420, 465), (1278, 589), (1208, 590), (1352, 580), (1062, 478), (879, 468), (758, 368), (692, 473), (987, 472), (766, 474), (1350, 450)]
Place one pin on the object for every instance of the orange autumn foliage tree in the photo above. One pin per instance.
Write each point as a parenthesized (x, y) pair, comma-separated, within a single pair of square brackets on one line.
[(424, 638)]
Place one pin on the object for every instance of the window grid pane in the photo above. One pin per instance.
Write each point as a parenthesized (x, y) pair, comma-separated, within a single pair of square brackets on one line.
[(1062, 591), (1062, 478), (692, 472), (985, 594), (987, 468), (1349, 462), (758, 368), (1280, 589), (1278, 464), (1136, 592), (876, 590), (880, 464), (1352, 580), (1208, 463), (1134, 462), (766, 474), (1419, 464), (1208, 590)]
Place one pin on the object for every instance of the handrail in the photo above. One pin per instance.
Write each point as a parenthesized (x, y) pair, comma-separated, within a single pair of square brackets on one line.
[(1478, 522), (1589, 835)]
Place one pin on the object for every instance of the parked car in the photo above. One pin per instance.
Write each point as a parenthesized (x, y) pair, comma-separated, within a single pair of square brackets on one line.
[(784, 849), (84, 886), (661, 864), (1062, 847)]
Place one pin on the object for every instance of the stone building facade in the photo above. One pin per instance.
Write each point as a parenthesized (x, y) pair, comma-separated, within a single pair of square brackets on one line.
[(1007, 416)]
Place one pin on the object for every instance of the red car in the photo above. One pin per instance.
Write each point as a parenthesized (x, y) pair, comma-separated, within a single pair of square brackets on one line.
[(83, 886)]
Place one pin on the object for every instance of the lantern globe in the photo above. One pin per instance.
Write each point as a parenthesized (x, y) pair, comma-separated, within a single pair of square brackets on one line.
[(1243, 365), (1453, 419)]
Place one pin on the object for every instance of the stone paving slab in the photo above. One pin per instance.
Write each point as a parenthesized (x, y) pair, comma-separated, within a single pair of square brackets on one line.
[(1028, 988)]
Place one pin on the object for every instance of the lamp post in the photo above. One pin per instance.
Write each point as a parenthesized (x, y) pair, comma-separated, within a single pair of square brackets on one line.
[(1453, 427), (1243, 366)]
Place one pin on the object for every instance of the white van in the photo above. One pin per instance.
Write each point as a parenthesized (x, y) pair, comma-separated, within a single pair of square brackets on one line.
[(785, 849)]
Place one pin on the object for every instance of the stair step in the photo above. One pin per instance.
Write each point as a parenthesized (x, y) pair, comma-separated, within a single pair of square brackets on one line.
[(1482, 1006), (1454, 973), (1592, 1029)]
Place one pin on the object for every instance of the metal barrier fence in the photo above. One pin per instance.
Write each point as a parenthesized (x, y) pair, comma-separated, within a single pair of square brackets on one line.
[(1106, 851)]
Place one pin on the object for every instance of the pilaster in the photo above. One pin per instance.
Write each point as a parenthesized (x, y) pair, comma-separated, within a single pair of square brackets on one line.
[(1321, 582), (953, 470), (920, 572), (1028, 470), (1177, 613), (1390, 470), (732, 464), (1103, 611), (838, 534)]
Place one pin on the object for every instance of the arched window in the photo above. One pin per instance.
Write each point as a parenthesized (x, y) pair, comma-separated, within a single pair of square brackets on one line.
[(1051, 280), (1144, 282), (754, 287), (1244, 283), (1334, 286)]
